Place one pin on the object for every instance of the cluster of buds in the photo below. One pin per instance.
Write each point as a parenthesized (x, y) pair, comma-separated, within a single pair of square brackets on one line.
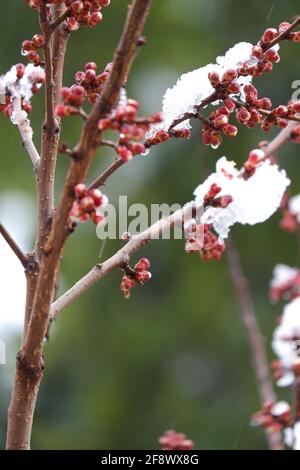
[(273, 417), (295, 135), (35, 79), (84, 12), (162, 135), (88, 84), (271, 34), (290, 215), (130, 127), (172, 440), (251, 112), (264, 54), (91, 82), (289, 221), (80, 12), (288, 290), (199, 237), (138, 275), (30, 48), (87, 205)]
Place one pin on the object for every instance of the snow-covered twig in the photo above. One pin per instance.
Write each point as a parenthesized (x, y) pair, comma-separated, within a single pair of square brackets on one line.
[(14, 246), (20, 119), (99, 271)]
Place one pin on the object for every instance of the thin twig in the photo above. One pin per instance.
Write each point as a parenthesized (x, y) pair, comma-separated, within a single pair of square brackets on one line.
[(264, 112), (282, 35), (297, 399), (14, 246), (30, 362), (255, 337), (24, 129), (217, 94)]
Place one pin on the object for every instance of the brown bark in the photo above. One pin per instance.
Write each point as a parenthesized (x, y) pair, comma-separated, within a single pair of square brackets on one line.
[(255, 338)]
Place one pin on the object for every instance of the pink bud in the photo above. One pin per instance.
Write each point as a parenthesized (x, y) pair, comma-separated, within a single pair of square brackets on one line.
[(80, 190), (142, 265), (90, 75), (124, 153), (97, 196), (269, 35), (137, 148), (91, 65)]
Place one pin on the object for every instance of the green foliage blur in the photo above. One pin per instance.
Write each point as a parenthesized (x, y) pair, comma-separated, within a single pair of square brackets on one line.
[(120, 372)]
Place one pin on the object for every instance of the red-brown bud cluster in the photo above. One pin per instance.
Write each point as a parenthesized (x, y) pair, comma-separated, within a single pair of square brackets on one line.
[(286, 291), (73, 99), (138, 275), (130, 127), (295, 134), (80, 12), (88, 84), (199, 237), (162, 135), (254, 158), (271, 34), (87, 205), (36, 79), (172, 440)]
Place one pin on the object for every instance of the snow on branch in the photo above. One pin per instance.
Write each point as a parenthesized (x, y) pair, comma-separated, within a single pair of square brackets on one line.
[(16, 89)]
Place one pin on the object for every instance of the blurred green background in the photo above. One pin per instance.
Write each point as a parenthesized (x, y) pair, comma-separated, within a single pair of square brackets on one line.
[(120, 372)]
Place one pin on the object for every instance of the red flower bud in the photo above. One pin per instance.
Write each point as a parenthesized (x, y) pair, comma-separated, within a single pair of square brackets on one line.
[(269, 35), (97, 196), (142, 265)]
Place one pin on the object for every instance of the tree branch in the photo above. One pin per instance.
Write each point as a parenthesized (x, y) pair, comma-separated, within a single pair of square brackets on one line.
[(24, 129), (15, 248), (255, 338), (49, 142), (117, 260)]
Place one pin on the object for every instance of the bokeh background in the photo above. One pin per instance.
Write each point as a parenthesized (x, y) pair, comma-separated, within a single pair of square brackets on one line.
[(120, 372)]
